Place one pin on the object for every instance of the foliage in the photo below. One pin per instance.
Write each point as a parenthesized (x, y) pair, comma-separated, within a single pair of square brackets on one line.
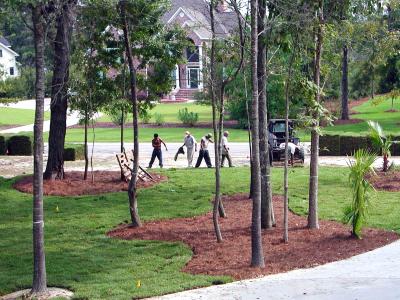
[(145, 116), (188, 118), (381, 141), (159, 119), (357, 212), (119, 111)]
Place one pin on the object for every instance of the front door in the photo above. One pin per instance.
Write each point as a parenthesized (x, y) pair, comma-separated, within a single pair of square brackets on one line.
[(193, 78)]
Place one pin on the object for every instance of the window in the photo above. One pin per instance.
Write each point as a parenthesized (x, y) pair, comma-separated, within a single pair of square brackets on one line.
[(12, 71), (1, 53), (192, 54)]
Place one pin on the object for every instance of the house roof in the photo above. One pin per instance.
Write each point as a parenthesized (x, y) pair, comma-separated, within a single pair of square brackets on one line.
[(4, 41), (199, 18)]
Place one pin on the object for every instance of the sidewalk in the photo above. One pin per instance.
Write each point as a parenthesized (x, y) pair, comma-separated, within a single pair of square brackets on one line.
[(369, 276)]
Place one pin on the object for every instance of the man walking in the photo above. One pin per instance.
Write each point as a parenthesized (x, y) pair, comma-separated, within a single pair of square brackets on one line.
[(156, 143), (191, 146), (225, 150), (203, 153)]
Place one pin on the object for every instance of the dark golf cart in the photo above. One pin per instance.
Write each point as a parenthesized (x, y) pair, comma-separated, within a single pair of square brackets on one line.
[(276, 130)]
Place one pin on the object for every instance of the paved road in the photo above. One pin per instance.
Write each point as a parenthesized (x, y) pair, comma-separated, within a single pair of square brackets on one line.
[(369, 276)]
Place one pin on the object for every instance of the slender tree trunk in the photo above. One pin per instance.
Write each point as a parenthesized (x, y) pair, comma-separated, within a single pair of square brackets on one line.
[(286, 175), (39, 284), (313, 186), (212, 83), (266, 193), (86, 146), (132, 188), (345, 85), (122, 138), (59, 91), (372, 83), (257, 255)]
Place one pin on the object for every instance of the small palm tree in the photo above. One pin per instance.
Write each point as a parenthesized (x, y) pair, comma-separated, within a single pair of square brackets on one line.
[(356, 213), (381, 141)]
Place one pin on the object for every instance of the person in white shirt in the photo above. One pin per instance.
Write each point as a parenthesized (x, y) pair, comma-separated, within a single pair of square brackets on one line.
[(203, 153), (225, 150), (191, 146)]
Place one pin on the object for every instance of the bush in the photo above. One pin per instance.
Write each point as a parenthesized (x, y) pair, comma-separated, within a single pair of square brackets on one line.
[(159, 119), (329, 145), (74, 152), (3, 148), (19, 145), (188, 118), (144, 116), (335, 145)]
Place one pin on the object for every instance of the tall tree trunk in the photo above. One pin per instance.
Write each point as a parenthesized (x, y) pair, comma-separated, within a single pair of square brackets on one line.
[(39, 284), (266, 193), (345, 84), (122, 138), (86, 145), (313, 186), (257, 255), (59, 91), (132, 188), (212, 84)]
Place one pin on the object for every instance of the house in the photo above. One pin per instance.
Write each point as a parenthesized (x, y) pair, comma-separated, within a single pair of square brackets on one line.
[(8, 62), (194, 17)]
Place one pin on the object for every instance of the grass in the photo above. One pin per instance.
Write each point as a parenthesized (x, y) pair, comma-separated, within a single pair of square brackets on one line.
[(19, 117), (80, 257), (146, 134), (170, 112), (390, 121)]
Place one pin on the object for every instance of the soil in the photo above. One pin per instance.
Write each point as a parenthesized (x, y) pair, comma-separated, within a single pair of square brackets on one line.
[(386, 181), (74, 185), (350, 121), (227, 124), (51, 293), (391, 111), (306, 248)]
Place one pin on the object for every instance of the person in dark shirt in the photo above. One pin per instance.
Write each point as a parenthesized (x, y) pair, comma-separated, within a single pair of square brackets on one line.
[(156, 143)]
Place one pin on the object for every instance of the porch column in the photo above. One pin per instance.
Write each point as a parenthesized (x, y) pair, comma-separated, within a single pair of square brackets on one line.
[(201, 67)]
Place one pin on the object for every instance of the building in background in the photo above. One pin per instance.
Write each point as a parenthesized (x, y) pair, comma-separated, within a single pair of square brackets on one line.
[(194, 17), (8, 60)]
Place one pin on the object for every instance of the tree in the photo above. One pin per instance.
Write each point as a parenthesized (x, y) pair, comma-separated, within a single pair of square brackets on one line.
[(257, 256), (59, 89), (381, 141), (356, 213), (313, 184), (39, 23), (147, 43)]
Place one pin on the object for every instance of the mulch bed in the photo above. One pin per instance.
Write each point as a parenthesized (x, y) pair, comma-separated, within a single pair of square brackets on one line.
[(306, 248), (346, 122), (386, 181), (391, 110), (227, 124), (74, 185)]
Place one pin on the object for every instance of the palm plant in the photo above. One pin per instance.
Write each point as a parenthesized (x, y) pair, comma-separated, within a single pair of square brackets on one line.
[(356, 213), (380, 140)]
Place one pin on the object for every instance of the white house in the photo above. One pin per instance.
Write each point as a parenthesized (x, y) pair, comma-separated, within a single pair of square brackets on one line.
[(8, 62)]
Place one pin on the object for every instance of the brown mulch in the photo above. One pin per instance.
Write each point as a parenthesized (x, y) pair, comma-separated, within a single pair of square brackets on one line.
[(346, 122), (306, 248), (74, 185), (386, 181), (391, 110), (227, 124)]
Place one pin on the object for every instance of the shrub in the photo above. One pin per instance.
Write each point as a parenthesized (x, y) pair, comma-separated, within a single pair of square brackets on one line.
[(159, 119), (144, 116), (74, 152), (3, 148), (19, 145), (356, 213), (188, 118), (329, 145)]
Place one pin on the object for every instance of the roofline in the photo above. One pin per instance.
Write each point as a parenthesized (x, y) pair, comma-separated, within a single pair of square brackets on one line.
[(9, 49), (176, 13)]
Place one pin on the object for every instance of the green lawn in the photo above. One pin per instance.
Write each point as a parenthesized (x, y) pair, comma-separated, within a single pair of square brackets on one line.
[(16, 116), (170, 112), (146, 134), (80, 257), (390, 121)]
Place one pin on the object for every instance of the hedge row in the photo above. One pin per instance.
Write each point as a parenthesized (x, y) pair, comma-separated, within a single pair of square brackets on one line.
[(22, 145), (74, 152), (336, 145)]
